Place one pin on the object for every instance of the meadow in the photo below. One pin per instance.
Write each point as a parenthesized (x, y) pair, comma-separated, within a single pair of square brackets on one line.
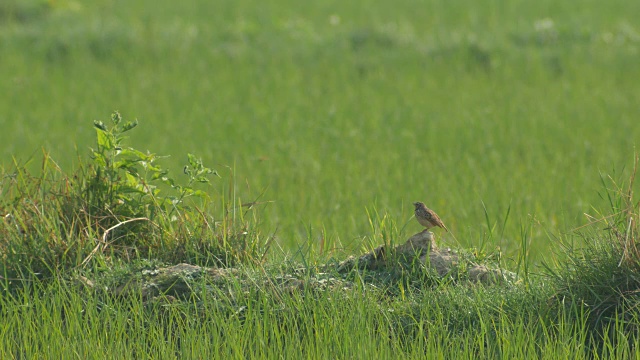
[(510, 119)]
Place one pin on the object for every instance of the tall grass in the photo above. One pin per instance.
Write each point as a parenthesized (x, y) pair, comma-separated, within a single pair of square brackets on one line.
[(66, 321), (587, 310), (342, 107), (601, 274)]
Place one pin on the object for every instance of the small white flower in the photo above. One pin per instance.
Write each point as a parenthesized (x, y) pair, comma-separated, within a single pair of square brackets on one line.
[(545, 24)]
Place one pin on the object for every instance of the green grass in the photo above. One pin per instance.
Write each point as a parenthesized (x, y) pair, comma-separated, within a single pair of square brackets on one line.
[(461, 322), (510, 119), (582, 306), (451, 104)]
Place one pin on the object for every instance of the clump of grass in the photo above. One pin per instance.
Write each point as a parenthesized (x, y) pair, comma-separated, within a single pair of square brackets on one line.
[(119, 204), (603, 277)]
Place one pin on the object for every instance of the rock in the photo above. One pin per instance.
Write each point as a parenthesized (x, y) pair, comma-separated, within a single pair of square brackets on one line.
[(174, 281), (179, 281), (484, 275), (422, 245), (423, 241), (442, 261)]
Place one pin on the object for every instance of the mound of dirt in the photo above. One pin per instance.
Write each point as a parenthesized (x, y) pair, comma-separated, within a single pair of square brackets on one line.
[(184, 280), (422, 246)]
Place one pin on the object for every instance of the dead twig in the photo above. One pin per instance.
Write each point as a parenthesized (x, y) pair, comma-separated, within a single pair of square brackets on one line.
[(104, 242)]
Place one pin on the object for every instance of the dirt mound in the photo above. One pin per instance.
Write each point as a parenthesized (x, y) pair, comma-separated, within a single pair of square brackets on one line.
[(185, 280)]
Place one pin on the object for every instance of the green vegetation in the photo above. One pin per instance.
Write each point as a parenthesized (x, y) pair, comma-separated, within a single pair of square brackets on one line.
[(123, 203), (334, 108), (324, 121)]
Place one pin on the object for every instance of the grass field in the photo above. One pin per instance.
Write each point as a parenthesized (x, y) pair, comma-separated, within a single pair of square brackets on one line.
[(332, 109), (504, 117)]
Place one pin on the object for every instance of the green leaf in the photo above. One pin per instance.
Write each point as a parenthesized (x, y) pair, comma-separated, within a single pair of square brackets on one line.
[(116, 117), (99, 160), (132, 180), (193, 160), (125, 189), (153, 168), (124, 164), (168, 181), (99, 125), (130, 125), (134, 155), (200, 194), (104, 140), (159, 174)]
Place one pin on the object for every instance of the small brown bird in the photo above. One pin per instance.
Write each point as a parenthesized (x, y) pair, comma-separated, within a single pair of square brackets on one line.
[(427, 217)]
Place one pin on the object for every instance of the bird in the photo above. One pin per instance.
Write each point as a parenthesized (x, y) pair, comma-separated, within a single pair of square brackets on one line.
[(427, 217)]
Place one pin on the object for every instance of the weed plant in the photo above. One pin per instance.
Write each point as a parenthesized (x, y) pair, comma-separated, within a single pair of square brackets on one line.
[(119, 204)]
